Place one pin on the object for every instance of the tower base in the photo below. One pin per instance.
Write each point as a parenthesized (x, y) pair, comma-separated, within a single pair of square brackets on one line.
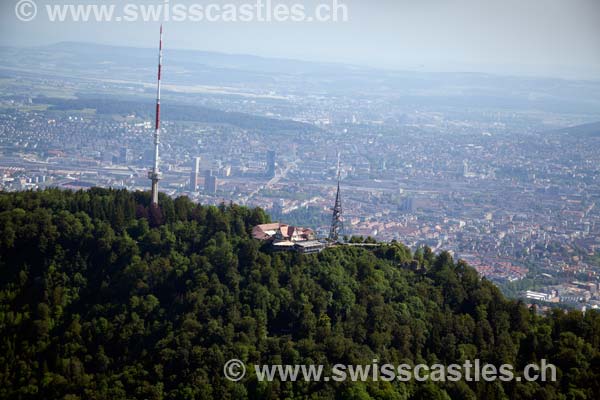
[(155, 192)]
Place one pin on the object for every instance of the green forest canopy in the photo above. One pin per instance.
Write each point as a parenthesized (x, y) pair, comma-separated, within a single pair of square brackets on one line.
[(103, 297)]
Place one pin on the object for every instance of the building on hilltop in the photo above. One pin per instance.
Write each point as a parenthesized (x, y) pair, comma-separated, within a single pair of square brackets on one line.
[(287, 237), (280, 232)]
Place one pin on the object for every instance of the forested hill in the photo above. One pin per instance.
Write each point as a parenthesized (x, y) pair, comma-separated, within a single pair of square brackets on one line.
[(102, 298)]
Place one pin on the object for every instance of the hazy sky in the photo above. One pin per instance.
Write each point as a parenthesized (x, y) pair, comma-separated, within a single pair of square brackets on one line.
[(546, 37)]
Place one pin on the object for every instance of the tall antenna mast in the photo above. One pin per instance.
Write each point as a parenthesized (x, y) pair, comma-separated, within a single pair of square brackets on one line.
[(154, 175), (337, 225)]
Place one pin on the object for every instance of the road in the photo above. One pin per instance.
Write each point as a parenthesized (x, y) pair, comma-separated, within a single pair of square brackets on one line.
[(273, 181)]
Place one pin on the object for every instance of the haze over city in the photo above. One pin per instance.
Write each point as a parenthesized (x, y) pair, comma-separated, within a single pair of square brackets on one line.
[(534, 37)]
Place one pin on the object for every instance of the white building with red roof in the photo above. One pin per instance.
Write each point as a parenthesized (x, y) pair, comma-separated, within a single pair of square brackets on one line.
[(277, 232)]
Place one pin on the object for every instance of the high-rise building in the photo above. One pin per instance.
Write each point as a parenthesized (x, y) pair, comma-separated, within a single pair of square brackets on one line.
[(407, 205), (210, 182), (271, 163), (382, 165), (124, 155), (195, 173)]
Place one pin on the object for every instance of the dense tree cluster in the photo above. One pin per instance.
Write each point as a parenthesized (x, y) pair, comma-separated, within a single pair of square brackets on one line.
[(104, 297)]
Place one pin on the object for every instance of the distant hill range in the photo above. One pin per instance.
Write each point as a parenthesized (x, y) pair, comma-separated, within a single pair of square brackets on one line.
[(592, 129), (276, 79)]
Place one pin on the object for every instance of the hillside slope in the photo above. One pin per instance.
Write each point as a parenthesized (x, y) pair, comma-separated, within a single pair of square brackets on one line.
[(592, 129), (104, 298)]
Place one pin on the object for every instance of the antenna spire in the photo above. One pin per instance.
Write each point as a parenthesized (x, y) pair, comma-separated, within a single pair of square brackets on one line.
[(337, 225), (154, 175)]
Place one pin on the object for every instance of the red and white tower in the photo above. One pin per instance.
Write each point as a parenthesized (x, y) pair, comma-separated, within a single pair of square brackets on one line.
[(154, 174)]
